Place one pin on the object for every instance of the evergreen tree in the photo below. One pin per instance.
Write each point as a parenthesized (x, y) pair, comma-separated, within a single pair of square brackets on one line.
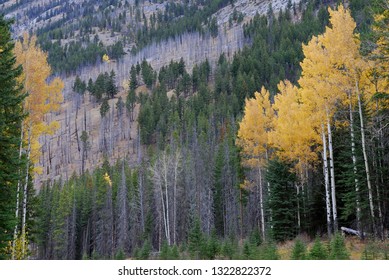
[(11, 117), (133, 79), (299, 250), (282, 200), (318, 251), (104, 108), (111, 88), (196, 240), (338, 248)]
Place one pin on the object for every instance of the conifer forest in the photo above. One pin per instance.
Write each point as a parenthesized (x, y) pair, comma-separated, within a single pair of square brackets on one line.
[(161, 129)]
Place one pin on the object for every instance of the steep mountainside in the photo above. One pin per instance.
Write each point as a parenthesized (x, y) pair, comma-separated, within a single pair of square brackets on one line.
[(77, 33)]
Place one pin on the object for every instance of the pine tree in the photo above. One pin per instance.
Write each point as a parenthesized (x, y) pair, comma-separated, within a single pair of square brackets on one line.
[(299, 250), (338, 248), (318, 251), (282, 200), (196, 240), (11, 117), (104, 108)]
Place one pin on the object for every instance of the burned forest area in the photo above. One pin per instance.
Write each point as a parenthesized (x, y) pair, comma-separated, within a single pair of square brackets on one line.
[(194, 130)]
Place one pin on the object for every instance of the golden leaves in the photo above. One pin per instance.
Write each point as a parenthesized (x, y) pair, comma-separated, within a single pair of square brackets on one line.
[(43, 96), (254, 127), (106, 58), (107, 179)]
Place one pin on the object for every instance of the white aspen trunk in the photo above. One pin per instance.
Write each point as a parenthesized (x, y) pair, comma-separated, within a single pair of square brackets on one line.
[(298, 207), (354, 159), (17, 198), (333, 190), (163, 207), (370, 191), (326, 181), (165, 167), (381, 144), (176, 166), (261, 204), (25, 194)]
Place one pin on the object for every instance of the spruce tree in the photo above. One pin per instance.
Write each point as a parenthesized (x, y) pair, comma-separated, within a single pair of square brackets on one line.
[(11, 117), (318, 251), (338, 248), (282, 200), (299, 250)]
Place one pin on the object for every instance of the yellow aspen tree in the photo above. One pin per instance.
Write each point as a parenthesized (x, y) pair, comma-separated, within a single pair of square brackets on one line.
[(325, 83), (293, 135), (331, 77), (348, 60), (253, 139), (43, 97), (319, 98)]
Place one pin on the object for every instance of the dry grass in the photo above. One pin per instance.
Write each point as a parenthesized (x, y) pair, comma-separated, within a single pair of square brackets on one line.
[(357, 249)]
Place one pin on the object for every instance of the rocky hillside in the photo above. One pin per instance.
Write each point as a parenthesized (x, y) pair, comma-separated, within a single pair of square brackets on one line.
[(106, 24)]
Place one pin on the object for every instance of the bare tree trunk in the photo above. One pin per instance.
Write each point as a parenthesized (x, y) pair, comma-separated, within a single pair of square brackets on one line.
[(369, 187), (381, 176), (175, 172), (354, 159), (326, 182), (17, 198), (24, 217), (261, 204), (298, 208), (165, 169), (332, 171)]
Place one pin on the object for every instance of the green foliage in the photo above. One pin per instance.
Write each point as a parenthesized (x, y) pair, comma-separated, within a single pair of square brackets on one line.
[(120, 255), (247, 251), (133, 78), (282, 200), (229, 249), (169, 252), (338, 248), (318, 251), (79, 86), (164, 253), (104, 108), (268, 251), (196, 241), (255, 237), (148, 74), (145, 251), (11, 117), (299, 250), (212, 246)]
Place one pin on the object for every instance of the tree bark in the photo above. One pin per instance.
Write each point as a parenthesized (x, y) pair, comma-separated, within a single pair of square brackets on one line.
[(261, 204), (24, 218), (354, 159), (332, 171), (369, 187), (326, 182)]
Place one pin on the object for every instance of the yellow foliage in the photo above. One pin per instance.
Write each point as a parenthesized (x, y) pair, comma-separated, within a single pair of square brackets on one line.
[(18, 252), (254, 128), (332, 68), (293, 135), (107, 179), (106, 58), (43, 96)]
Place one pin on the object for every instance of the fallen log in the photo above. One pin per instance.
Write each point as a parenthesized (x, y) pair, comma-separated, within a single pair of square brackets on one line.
[(351, 231)]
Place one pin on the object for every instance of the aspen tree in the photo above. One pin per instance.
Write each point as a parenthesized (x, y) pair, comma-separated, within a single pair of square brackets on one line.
[(253, 139), (43, 97)]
